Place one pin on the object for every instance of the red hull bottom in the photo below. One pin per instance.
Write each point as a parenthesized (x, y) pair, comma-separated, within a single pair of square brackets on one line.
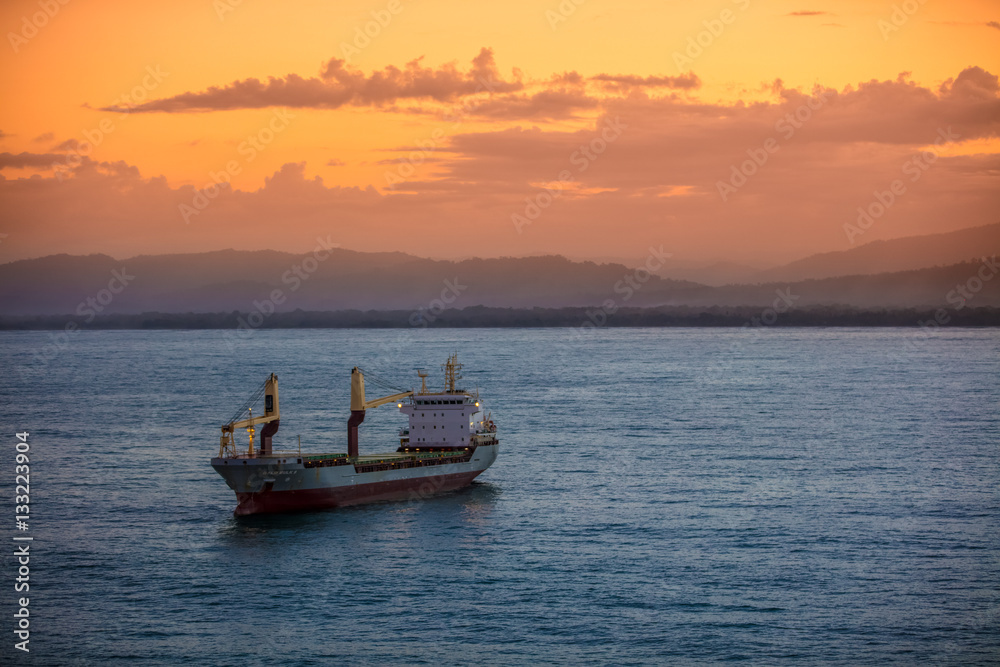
[(266, 502)]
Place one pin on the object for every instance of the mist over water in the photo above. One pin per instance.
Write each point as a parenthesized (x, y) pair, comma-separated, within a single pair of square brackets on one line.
[(662, 495)]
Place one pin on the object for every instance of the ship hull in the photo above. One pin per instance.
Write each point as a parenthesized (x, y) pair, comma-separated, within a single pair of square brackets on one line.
[(284, 484), (268, 502)]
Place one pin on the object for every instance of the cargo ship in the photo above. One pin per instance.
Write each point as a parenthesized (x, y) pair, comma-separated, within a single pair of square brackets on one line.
[(448, 442)]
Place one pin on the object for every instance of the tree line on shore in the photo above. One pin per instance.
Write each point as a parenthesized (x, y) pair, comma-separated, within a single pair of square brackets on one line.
[(486, 317)]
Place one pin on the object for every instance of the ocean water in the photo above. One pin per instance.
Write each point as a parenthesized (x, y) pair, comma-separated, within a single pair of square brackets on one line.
[(790, 496)]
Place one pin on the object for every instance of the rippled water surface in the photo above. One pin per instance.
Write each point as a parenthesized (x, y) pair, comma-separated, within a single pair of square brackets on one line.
[(661, 496)]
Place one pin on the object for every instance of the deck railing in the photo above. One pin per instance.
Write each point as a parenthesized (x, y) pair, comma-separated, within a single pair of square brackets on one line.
[(229, 451)]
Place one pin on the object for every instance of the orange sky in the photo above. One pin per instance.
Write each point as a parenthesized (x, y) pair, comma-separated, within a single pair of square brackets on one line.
[(499, 106)]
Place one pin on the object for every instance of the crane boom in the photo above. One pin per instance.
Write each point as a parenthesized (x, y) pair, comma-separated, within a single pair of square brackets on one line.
[(359, 404), (358, 400), (386, 399), (271, 418), (246, 423)]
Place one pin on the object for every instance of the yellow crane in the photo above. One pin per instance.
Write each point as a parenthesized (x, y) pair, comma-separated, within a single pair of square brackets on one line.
[(359, 404), (270, 419)]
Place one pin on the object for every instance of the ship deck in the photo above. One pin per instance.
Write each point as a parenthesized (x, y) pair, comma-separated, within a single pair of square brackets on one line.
[(364, 463), (284, 455)]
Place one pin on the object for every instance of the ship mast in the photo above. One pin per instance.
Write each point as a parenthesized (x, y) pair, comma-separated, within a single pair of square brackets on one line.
[(452, 372)]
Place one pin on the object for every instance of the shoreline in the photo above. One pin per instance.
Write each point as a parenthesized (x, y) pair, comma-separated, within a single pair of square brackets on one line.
[(480, 317)]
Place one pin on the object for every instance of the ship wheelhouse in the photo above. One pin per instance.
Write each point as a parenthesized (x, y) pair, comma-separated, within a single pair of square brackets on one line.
[(450, 419)]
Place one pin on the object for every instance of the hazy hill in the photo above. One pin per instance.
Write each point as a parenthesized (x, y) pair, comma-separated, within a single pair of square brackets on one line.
[(235, 280), (901, 289), (904, 254), (716, 274)]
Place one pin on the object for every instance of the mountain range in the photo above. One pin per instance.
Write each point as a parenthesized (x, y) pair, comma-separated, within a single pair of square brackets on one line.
[(908, 272)]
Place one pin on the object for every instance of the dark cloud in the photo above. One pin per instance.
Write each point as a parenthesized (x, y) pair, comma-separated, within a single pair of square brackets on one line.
[(684, 81), (547, 104), (673, 142), (403, 160), (21, 160), (573, 78), (487, 92), (339, 84), (972, 83)]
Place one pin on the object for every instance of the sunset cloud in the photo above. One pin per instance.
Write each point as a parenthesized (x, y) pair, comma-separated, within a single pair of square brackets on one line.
[(972, 84), (684, 81), (664, 169), (547, 104), (340, 84), (24, 159), (68, 145), (676, 143)]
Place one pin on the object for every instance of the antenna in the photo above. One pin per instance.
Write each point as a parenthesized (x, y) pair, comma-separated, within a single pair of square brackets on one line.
[(422, 374)]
